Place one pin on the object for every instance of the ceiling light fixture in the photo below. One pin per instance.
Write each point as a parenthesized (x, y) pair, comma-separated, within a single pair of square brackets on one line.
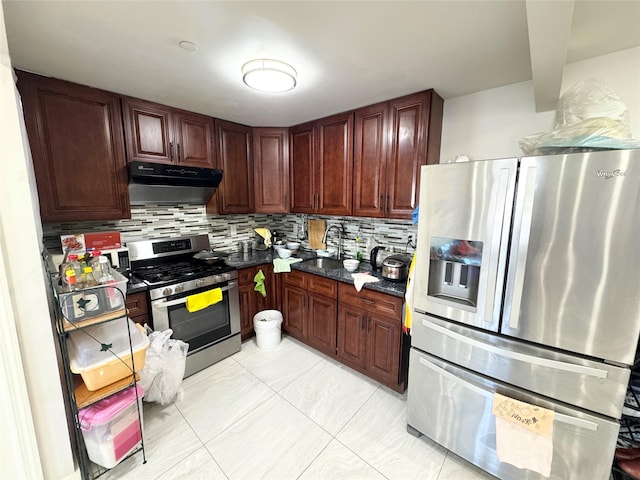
[(268, 75)]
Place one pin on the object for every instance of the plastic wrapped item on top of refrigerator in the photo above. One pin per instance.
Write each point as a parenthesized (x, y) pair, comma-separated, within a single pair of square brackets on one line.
[(590, 116)]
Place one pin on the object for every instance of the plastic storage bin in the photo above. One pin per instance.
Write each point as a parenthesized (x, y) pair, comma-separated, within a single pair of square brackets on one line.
[(111, 429), (101, 353), (91, 303), (268, 327)]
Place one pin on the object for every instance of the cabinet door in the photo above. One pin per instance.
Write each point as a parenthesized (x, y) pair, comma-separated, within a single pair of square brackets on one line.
[(409, 138), (194, 140), (148, 131), (369, 160), (77, 145), (321, 324), (294, 308), (383, 348), (271, 169), (235, 193), (247, 308), (352, 335), (137, 308), (304, 198), (334, 158)]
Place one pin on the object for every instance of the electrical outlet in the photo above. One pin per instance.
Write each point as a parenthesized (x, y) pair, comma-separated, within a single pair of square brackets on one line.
[(233, 229)]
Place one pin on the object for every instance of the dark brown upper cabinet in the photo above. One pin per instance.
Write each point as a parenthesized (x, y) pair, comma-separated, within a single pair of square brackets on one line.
[(271, 169), (157, 133), (77, 146), (322, 166), (235, 193), (392, 141)]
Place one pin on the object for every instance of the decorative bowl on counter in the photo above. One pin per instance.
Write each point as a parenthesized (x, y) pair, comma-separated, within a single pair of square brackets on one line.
[(284, 252), (293, 246), (351, 265)]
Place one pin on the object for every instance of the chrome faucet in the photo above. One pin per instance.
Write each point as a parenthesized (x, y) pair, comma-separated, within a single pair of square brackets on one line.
[(340, 228)]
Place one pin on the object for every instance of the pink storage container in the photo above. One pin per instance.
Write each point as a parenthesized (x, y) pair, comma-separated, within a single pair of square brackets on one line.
[(110, 427)]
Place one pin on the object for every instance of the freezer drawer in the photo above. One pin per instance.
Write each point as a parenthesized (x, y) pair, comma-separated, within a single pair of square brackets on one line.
[(592, 385), (452, 406)]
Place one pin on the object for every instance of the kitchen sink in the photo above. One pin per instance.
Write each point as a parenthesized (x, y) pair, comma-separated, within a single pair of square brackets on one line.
[(326, 263)]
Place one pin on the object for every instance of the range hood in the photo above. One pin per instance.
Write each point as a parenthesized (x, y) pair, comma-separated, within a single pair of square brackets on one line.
[(158, 183)]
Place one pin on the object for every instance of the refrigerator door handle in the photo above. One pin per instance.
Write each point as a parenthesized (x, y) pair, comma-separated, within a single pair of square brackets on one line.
[(560, 417), (492, 308), (519, 246), (542, 362)]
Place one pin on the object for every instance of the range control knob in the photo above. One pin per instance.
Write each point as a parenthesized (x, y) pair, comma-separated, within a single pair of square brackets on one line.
[(199, 283), (179, 288), (167, 291)]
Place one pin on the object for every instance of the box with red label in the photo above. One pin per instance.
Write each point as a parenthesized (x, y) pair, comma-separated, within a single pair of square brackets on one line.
[(102, 241)]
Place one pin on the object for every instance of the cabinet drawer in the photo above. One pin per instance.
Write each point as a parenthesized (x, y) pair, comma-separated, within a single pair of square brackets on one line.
[(370, 300), (296, 279), (245, 275), (137, 304), (322, 286)]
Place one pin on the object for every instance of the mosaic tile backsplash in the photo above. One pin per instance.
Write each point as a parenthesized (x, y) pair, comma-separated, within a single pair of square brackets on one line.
[(225, 232)]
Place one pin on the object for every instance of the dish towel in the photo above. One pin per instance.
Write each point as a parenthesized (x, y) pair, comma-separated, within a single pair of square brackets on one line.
[(524, 434), (408, 299), (259, 279), (283, 265), (359, 279), (203, 300)]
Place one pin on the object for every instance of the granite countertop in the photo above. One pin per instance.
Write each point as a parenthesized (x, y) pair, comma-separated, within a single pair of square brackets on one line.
[(257, 257)]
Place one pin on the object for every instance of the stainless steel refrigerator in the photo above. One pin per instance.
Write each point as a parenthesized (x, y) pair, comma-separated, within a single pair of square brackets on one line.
[(527, 284)]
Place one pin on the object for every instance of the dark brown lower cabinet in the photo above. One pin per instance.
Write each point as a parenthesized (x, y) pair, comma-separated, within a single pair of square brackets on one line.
[(137, 308), (251, 301), (369, 335), (309, 309), (363, 329)]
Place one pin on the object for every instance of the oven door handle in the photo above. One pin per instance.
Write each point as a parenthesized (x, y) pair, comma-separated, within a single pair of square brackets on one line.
[(171, 303)]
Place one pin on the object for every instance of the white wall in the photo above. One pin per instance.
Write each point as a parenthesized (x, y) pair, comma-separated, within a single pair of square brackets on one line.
[(35, 443), (489, 124)]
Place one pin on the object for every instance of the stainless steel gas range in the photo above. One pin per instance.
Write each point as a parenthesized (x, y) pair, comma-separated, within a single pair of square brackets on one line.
[(172, 274)]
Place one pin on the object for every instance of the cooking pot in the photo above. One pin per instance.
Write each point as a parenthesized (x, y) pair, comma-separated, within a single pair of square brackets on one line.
[(209, 257), (377, 256), (396, 267)]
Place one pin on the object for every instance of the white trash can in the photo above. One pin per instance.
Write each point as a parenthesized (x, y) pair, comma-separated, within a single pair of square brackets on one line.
[(267, 325)]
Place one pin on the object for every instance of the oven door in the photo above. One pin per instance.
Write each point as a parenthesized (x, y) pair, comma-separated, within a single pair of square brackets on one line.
[(204, 327)]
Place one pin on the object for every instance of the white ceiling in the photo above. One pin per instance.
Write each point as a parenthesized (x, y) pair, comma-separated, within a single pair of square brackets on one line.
[(347, 54)]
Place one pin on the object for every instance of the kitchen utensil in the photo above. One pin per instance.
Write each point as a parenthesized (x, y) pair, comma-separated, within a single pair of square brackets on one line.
[(316, 231), (377, 256), (351, 265), (209, 257), (396, 267)]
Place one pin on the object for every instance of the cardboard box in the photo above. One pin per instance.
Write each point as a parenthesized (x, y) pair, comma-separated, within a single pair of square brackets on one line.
[(102, 241)]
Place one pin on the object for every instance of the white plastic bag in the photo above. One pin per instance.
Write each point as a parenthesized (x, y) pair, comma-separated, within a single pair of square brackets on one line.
[(589, 116), (164, 367)]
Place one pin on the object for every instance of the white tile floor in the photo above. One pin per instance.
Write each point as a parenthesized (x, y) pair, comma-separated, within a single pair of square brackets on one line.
[(286, 413)]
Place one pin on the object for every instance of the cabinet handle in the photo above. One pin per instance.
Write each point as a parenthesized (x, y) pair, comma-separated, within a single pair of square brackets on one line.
[(368, 324), (178, 152), (382, 207), (171, 151), (367, 301), (386, 206)]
